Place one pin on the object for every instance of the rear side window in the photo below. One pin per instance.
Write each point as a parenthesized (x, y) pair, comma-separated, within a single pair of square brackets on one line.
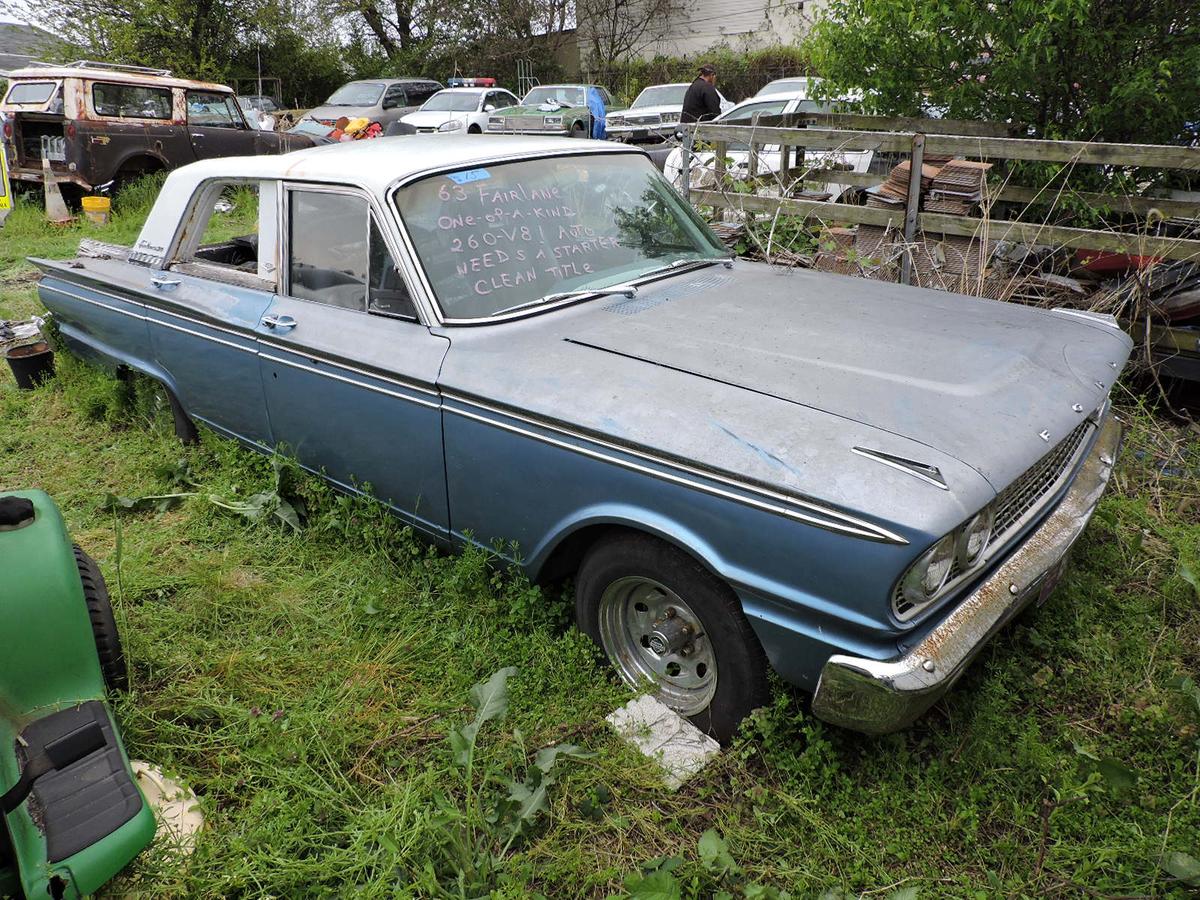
[(31, 91), (131, 101), (419, 93)]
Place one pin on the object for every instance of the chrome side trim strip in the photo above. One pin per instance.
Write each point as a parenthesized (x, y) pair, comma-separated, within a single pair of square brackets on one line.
[(116, 309), (207, 337), (369, 387), (792, 508), (317, 357), (913, 468), (149, 307)]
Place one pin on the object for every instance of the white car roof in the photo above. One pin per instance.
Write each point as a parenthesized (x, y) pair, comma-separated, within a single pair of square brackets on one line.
[(786, 96), (373, 165)]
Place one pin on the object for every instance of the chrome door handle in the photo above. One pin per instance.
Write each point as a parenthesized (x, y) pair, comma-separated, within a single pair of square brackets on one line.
[(279, 321), (164, 284)]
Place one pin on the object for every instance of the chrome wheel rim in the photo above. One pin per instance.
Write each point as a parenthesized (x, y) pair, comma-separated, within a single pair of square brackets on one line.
[(654, 638)]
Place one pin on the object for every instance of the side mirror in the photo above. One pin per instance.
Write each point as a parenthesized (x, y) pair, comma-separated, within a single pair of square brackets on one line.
[(491, 107)]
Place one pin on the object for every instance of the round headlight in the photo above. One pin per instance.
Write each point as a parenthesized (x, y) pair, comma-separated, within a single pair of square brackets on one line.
[(929, 574), (974, 537), (452, 125)]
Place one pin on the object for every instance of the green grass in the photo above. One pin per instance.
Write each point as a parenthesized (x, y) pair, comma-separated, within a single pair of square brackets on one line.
[(305, 684)]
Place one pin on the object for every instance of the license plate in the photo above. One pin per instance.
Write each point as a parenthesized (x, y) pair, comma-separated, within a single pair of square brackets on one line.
[(639, 134)]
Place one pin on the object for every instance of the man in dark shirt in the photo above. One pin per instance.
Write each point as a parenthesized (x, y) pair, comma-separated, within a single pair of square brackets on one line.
[(702, 102)]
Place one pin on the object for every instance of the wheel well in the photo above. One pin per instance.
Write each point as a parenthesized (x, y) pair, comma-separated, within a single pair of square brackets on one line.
[(565, 559)]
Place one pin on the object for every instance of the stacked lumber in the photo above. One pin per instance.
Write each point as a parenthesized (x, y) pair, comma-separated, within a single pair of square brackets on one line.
[(958, 188), (894, 190)]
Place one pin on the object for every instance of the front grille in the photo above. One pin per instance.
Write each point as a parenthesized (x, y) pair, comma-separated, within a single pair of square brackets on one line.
[(527, 123), (1023, 495), (643, 120), (421, 129), (1014, 507)]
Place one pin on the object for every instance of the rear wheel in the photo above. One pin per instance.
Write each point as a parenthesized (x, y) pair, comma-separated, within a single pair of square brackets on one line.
[(670, 626), (104, 625)]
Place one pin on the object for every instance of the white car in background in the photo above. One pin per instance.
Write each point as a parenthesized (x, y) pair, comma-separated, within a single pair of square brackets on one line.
[(459, 110), (654, 115), (703, 174), (803, 84)]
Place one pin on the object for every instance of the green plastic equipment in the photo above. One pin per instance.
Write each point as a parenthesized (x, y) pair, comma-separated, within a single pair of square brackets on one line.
[(72, 813)]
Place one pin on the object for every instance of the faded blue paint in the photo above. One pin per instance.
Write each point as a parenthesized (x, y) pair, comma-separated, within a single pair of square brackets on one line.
[(716, 422)]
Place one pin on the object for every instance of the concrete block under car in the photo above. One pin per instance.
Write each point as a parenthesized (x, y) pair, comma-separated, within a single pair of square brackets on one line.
[(678, 746)]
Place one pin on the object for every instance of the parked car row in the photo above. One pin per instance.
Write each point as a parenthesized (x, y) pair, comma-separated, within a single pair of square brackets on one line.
[(97, 124)]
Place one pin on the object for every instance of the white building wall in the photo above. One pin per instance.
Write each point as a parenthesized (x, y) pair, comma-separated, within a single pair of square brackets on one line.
[(741, 25)]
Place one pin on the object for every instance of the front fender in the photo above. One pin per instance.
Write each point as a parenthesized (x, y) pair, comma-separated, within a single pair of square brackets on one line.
[(798, 631)]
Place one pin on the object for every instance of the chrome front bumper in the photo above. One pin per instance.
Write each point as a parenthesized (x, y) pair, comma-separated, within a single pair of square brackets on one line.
[(878, 697)]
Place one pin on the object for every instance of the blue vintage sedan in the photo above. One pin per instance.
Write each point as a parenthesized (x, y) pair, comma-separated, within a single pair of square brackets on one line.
[(536, 340)]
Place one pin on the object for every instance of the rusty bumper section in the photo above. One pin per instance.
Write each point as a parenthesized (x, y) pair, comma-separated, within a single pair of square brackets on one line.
[(878, 697)]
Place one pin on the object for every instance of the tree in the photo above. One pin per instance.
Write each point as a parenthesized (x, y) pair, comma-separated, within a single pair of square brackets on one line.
[(1118, 70), (615, 30)]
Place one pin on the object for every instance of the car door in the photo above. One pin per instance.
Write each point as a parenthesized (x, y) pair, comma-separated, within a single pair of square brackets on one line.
[(216, 125), (394, 104), (204, 318), (348, 370)]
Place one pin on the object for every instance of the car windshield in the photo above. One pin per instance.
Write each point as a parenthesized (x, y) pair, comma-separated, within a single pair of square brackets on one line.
[(31, 91), (356, 93), (507, 235), (570, 95), (661, 95), (452, 101)]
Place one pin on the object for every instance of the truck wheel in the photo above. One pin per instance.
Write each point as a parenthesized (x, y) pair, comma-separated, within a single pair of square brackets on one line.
[(104, 626), (667, 623)]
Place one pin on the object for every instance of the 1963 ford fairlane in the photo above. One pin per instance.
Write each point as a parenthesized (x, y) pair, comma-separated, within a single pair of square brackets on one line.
[(537, 340)]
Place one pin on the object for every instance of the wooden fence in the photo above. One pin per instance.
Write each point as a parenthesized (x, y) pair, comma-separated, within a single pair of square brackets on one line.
[(918, 137)]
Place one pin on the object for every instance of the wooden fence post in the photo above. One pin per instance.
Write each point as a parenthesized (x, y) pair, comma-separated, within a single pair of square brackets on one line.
[(686, 160), (913, 206)]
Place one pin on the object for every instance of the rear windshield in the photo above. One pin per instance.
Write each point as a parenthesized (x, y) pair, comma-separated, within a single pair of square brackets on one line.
[(31, 91), (131, 101)]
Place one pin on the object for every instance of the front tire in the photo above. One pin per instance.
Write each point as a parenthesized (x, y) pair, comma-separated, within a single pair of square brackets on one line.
[(578, 131), (104, 625), (666, 622), (474, 129)]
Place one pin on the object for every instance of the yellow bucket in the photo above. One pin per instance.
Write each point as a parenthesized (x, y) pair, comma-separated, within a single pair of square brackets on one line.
[(97, 209)]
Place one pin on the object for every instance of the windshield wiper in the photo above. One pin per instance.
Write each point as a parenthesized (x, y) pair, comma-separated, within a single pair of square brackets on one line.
[(688, 263), (626, 290)]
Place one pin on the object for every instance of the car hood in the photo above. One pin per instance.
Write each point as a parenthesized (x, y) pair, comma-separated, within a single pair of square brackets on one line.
[(433, 117), (991, 384), (783, 378), (652, 110), (535, 111)]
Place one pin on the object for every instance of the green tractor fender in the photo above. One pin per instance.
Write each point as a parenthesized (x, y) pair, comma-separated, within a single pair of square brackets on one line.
[(72, 813)]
